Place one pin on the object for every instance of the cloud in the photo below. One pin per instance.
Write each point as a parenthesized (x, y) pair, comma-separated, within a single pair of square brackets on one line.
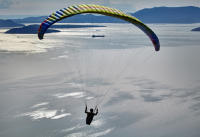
[(150, 98), (195, 107), (4, 4), (146, 84), (91, 82), (197, 98), (146, 90), (152, 91), (123, 119), (96, 82), (191, 95), (187, 93), (119, 97)]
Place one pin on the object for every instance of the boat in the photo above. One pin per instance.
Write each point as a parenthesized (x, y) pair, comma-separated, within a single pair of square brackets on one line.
[(98, 36)]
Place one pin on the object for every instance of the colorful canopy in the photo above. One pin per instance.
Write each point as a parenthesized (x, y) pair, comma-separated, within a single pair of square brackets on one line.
[(80, 9)]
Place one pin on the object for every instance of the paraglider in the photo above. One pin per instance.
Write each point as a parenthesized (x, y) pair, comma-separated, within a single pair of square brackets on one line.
[(97, 9), (87, 8)]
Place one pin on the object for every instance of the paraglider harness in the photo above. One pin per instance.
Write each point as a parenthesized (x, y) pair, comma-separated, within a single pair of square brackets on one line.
[(90, 114)]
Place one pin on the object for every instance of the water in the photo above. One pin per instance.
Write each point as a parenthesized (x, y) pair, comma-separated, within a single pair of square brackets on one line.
[(140, 92)]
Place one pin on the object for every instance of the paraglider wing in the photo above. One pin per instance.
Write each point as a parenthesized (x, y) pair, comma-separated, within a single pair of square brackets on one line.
[(79, 9)]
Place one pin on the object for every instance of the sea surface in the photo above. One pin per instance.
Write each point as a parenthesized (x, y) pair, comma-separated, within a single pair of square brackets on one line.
[(45, 84)]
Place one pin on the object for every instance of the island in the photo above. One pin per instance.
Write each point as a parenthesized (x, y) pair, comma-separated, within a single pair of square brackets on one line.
[(30, 29), (33, 29), (196, 29), (74, 26)]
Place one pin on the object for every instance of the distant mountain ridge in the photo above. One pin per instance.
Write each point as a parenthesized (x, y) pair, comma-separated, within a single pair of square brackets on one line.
[(9, 23), (188, 14), (80, 18)]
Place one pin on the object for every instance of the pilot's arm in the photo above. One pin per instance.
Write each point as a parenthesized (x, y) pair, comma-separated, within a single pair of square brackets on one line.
[(96, 112), (85, 108)]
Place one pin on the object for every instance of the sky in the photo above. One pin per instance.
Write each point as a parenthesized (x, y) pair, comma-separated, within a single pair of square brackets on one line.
[(14, 8)]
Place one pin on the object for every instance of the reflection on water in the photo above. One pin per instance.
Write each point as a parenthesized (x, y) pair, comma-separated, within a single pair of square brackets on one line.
[(73, 94), (40, 104), (45, 113)]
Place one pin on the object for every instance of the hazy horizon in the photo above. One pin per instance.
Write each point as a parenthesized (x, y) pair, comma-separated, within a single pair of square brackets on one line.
[(26, 15), (38, 7)]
